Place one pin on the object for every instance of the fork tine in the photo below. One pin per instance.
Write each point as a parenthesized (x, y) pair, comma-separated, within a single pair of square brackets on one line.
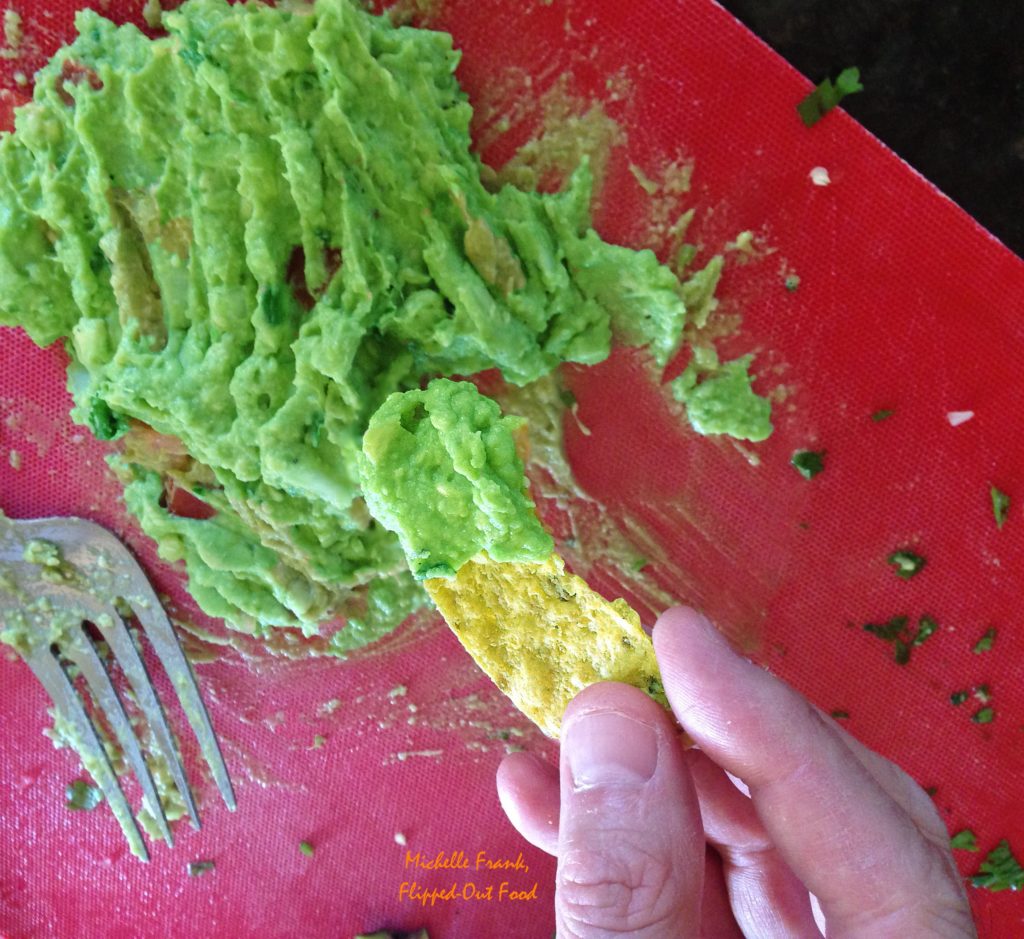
[(165, 643), (94, 758), (80, 649), (134, 668), (136, 589)]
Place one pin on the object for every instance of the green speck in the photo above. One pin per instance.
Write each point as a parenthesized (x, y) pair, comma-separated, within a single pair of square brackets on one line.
[(318, 741), (985, 642), (80, 796), (104, 423), (984, 716), (983, 694), (882, 414), (196, 868), (906, 563), (839, 715), (1000, 505), (1000, 870), (958, 697), (792, 282), (926, 626), (931, 790), (808, 463), (897, 631), (685, 256), (827, 95), (306, 848), (964, 841), (889, 631)]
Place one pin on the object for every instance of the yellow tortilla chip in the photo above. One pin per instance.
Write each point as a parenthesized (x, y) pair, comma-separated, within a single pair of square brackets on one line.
[(543, 635)]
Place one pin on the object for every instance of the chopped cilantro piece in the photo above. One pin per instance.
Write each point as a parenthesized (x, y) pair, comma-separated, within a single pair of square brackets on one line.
[(964, 841), (827, 95), (897, 631), (982, 694), (985, 642), (906, 563), (306, 848), (196, 868), (882, 414), (931, 790), (925, 627), (1000, 870), (889, 631), (839, 715), (1000, 505), (105, 423), (792, 282), (808, 463), (80, 796), (958, 697), (984, 716)]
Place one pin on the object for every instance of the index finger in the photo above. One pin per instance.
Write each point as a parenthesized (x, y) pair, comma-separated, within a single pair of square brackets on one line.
[(843, 835)]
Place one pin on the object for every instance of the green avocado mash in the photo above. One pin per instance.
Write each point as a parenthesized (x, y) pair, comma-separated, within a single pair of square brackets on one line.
[(719, 398), (249, 233), (440, 469)]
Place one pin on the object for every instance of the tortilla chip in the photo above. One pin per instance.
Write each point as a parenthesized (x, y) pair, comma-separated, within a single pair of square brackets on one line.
[(543, 635)]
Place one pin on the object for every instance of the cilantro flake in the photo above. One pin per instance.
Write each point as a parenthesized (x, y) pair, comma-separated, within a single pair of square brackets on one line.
[(903, 638), (104, 423), (1000, 870), (827, 95), (882, 414), (81, 796), (197, 868), (985, 642), (808, 463), (958, 697), (839, 715), (964, 841), (889, 631), (792, 282), (906, 563), (926, 626), (1000, 505), (306, 848), (984, 716), (983, 694)]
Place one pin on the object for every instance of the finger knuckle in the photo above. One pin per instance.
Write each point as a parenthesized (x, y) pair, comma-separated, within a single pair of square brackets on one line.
[(616, 891)]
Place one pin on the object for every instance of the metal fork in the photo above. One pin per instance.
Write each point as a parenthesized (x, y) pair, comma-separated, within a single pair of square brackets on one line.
[(56, 575)]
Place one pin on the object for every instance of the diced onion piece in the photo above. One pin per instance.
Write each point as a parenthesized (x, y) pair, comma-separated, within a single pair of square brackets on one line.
[(956, 418)]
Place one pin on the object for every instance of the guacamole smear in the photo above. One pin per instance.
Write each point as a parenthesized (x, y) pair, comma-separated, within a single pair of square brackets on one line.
[(440, 469), (720, 399), (252, 231)]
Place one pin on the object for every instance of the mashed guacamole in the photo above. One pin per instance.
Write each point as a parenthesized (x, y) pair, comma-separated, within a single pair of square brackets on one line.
[(252, 231)]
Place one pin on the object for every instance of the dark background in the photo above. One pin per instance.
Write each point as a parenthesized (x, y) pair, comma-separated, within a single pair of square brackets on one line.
[(943, 86)]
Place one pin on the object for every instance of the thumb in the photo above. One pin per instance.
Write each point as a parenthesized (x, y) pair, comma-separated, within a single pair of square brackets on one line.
[(630, 841)]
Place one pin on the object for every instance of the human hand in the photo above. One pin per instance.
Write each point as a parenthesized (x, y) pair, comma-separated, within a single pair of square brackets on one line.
[(653, 841)]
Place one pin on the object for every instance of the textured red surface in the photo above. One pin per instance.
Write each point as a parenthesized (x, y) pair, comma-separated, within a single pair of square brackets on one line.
[(904, 303)]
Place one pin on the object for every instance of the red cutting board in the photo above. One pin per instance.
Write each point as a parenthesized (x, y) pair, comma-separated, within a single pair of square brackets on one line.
[(904, 303)]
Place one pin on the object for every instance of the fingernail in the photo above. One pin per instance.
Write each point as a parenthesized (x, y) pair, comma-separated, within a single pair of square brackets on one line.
[(607, 747)]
